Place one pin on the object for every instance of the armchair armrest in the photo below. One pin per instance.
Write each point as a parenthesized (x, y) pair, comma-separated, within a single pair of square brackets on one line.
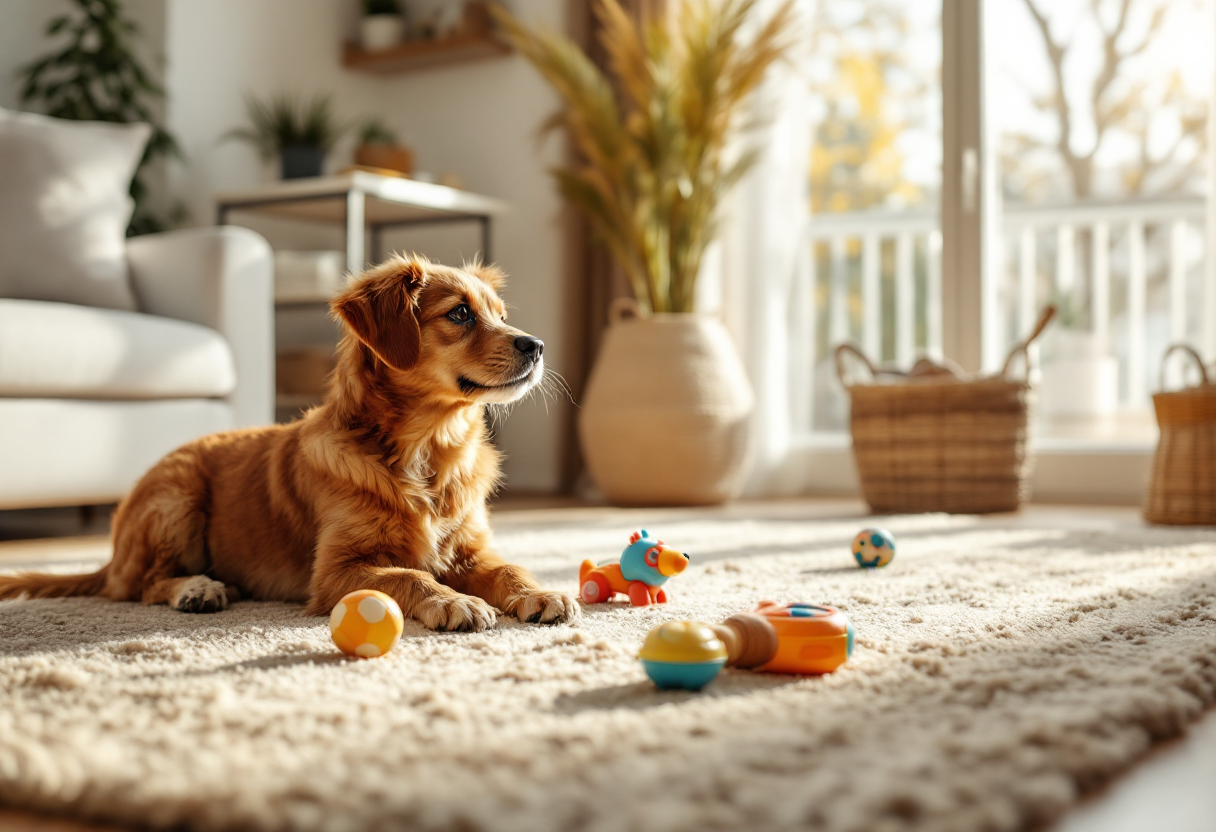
[(223, 278)]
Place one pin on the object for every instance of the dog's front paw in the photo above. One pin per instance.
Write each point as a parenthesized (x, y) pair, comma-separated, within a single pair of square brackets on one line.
[(456, 612), (199, 594), (540, 606)]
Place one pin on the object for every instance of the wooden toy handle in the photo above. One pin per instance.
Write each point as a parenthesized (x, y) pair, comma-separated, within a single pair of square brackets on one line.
[(750, 640)]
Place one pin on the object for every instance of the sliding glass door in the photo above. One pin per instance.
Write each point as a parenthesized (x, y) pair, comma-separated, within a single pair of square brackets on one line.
[(875, 141), (1100, 119), (975, 160)]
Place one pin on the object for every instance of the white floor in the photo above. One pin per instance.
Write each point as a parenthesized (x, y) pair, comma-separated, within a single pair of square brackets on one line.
[(1174, 790)]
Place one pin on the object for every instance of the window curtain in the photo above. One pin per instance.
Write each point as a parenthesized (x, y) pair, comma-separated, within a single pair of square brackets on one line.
[(759, 279), (596, 279)]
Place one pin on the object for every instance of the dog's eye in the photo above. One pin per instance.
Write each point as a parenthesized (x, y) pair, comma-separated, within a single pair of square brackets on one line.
[(461, 314)]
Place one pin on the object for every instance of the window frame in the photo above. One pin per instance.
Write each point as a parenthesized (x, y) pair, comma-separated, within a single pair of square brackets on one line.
[(970, 222)]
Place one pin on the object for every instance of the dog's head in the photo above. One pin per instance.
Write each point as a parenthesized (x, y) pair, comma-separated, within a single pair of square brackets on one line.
[(441, 332)]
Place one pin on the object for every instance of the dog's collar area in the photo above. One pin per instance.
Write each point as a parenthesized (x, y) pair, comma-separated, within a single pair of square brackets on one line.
[(467, 385)]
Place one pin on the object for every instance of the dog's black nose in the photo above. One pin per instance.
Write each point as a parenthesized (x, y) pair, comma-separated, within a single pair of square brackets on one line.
[(530, 346)]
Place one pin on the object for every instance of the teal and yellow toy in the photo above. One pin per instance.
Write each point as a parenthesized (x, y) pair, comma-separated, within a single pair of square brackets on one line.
[(683, 655), (797, 638), (643, 568), (873, 548)]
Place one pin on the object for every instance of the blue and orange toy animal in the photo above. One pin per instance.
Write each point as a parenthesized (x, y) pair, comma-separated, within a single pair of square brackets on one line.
[(643, 568)]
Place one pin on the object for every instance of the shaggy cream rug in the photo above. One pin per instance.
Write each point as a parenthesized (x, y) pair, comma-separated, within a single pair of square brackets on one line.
[(999, 671)]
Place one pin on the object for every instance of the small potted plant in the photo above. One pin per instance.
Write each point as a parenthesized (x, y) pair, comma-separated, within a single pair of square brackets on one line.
[(383, 25), (301, 131), (379, 148)]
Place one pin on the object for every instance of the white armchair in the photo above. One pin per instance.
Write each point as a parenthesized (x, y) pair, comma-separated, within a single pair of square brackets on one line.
[(91, 397), (222, 278)]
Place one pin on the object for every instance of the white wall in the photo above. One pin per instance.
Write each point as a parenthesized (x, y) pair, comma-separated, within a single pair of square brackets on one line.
[(21, 26), (22, 40), (477, 120)]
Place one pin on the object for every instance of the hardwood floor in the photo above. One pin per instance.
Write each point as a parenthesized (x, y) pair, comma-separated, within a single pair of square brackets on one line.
[(1171, 789), (25, 822)]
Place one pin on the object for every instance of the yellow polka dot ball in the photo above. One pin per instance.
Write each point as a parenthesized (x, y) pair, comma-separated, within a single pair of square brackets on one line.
[(366, 624)]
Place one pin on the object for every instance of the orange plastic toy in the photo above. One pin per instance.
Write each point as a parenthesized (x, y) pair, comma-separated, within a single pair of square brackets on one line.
[(787, 638), (803, 639)]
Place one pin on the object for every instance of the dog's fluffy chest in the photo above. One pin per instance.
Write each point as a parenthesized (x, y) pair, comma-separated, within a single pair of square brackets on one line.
[(440, 487), (408, 507), (438, 496)]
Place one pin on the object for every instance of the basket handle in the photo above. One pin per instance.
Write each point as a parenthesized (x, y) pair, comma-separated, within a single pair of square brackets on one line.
[(623, 309), (1185, 348), (842, 370), (1023, 348)]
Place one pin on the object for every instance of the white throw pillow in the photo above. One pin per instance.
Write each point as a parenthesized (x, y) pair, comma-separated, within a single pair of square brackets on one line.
[(64, 208)]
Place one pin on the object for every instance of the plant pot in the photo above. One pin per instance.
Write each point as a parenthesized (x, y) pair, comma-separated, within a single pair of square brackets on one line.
[(299, 162), (385, 156), (1080, 380), (665, 415), (378, 32), (1079, 387)]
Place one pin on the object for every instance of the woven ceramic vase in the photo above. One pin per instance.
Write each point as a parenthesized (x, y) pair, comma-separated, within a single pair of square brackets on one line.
[(664, 419)]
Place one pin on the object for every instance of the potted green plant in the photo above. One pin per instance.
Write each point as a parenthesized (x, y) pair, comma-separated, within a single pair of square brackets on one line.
[(380, 148), (382, 26), (301, 131), (96, 76), (664, 418)]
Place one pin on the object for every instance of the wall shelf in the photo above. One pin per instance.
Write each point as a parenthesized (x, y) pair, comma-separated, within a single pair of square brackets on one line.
[(418, 55)]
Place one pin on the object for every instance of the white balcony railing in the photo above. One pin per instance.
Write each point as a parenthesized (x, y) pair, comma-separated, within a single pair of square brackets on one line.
[(1133, 269)]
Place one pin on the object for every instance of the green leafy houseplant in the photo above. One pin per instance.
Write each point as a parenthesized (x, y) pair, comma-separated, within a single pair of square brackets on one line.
[(379, 148), (655, 163), (287, 124), (375, 131), (96, 77)]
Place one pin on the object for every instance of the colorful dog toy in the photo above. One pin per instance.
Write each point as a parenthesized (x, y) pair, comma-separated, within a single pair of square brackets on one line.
[(682, 654), (774, 638), (643, 568), (873, 548), (366, 623)]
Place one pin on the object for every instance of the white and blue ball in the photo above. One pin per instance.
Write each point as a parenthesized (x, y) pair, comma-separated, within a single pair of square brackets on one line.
[(873, 548)]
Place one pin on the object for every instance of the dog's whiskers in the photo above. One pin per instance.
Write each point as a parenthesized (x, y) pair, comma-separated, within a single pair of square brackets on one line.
[(498, 411), (559, 382), (552, 385)]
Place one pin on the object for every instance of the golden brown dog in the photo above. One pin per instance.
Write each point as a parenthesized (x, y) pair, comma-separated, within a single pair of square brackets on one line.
[(383, 486)]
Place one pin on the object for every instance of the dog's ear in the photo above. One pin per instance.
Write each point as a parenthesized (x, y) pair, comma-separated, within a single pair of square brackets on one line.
[(381, 309), (491, 275)]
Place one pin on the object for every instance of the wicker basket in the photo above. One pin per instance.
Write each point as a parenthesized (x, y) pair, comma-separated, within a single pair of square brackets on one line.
[(1182, 491), (932, 441)]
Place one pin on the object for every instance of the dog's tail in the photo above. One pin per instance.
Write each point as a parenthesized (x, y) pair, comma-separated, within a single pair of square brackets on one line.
[(41, 585)]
